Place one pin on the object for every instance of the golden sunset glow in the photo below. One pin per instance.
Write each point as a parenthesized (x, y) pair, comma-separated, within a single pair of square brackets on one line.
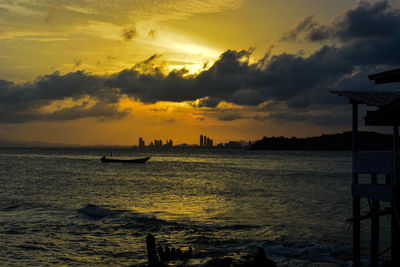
[(78, 72)]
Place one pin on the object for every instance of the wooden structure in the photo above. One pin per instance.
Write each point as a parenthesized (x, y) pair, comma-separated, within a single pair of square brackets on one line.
[(374, 164)]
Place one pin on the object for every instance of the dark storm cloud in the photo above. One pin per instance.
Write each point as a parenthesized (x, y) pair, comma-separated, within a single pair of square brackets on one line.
[(319, 33), (228, 116), (365, 21), (296, 82), (368, 20), (20, 102), (327, 119), (306, 24), (101, 111)]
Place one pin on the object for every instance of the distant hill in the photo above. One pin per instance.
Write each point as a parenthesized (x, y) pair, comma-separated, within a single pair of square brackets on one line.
[(339, 141)]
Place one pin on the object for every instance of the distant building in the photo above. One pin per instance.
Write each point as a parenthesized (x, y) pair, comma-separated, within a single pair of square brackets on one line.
[(169, 144), (220, 145), (206, 142), (158, 143), (141, 142), (233, 145)]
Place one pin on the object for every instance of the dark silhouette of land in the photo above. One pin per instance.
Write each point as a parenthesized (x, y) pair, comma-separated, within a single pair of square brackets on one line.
[(339, 141)]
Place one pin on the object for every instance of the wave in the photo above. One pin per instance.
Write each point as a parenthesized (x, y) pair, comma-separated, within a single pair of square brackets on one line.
[(122, 217), (32, 247), (10, 208), (284, 251), (238, 227), (95, 211), (208, 239)]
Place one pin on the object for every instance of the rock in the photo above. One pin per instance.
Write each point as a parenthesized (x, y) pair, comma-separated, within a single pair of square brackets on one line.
[(219, 262), (173, 254), (167, 253), (161, 253), (261, 260)]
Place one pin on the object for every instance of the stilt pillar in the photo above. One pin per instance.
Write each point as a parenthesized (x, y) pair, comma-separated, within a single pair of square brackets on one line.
[(356, 199), (375, 228), (395, 203)]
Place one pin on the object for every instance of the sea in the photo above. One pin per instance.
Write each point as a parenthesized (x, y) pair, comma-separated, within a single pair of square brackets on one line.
[(63, 206)]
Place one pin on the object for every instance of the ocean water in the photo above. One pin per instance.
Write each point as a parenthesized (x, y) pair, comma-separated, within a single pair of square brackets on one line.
[(65, 207)]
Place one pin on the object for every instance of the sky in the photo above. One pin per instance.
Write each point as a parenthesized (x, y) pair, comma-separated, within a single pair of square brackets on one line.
[(95, 72)]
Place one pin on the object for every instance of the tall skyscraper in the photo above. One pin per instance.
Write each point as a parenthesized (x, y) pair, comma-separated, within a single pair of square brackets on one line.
[(141, 142), (201, 140), (169, 144), (204, 141)]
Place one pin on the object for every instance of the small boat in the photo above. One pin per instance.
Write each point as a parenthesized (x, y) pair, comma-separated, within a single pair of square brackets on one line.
[(140, 160)]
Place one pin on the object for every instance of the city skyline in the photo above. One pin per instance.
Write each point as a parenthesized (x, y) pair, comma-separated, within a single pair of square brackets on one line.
[(204, 142)]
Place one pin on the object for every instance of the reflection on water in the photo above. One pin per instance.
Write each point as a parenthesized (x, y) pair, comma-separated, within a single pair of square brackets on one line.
[(63, 206)]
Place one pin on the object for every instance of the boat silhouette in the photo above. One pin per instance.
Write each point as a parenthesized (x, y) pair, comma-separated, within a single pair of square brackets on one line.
[(139, 160)]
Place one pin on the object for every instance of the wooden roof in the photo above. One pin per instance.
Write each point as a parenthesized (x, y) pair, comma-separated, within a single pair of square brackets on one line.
[(371, 98), (388, 115), (387, 102), (390, 76)]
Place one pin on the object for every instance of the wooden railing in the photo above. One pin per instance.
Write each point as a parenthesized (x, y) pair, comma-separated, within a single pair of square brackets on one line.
[(375, 162)]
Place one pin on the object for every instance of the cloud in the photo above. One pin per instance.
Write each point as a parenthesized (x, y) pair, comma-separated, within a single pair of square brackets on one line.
[(101, 111), (341, 117), (23, 102), (54, 20), (229, 116), (118, 12), (169, 121), (306, 24), (152, 34), (298, 83), (210, 102), (128, 33), (77, 62), (151, 59), (367, 20)]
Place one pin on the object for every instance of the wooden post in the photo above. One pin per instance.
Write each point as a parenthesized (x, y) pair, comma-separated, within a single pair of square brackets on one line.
[(375, 227), (388, 179), (356, 199), (151, 251), (395, 208), (395, 153)]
